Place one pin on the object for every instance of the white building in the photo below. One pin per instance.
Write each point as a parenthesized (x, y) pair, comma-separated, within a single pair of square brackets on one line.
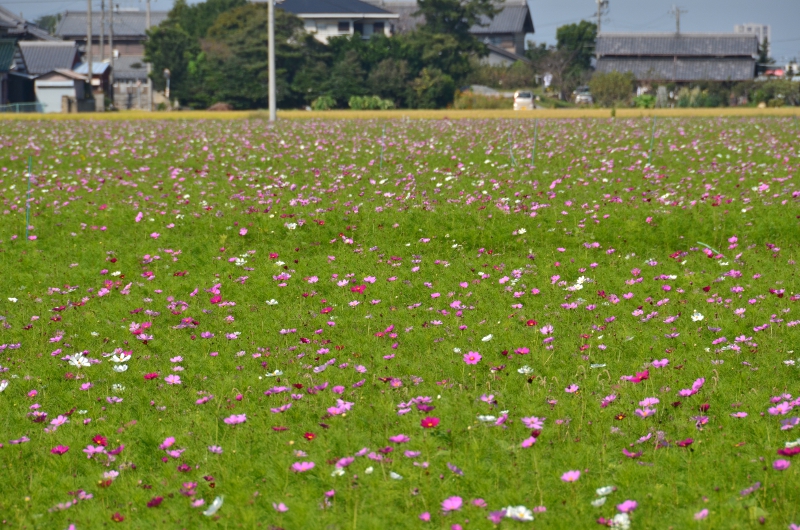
[(334, 18), (759, 30)]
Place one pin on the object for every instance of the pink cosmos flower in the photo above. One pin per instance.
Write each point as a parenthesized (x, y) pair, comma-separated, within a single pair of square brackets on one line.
[(429, 422), (399, 439), (235, 419), (217, 450), (628, 506), (781, 464), (59, 449), (472, 357), (344, 462), (452, 504), (528, 442), (279, 507), (702, 514), (571, 476), (243, 231), (167, 443), (155, 235), (571, 389), (425, 516), (173, 379), (301, 467)]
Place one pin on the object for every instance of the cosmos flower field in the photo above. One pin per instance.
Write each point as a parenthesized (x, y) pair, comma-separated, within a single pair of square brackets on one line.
[(400, 324)]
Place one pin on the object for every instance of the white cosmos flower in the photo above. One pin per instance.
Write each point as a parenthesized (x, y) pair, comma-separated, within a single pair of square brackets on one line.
[(276, 373), (486, 419), (605, 490), (94, 334), (116, 273), (697, 317), (12, 300), (525, 370), (216, 505), (120, 368), (597, 366), (79, 361), (599, 502), (621, 520), (272, 302), (519, 513), (3, 384), (395, 476), (337, 472), (369, 470), (116, 387), (521, 231), (122, 358), (487, 338)]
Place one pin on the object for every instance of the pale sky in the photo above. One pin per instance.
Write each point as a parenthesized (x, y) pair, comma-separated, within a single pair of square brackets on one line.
[(717, 16)]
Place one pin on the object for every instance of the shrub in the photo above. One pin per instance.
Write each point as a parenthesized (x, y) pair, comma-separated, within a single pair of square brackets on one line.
[(433, 89), (369, 103), (470, 100), (645, 101), (323, 103), (612, 87)]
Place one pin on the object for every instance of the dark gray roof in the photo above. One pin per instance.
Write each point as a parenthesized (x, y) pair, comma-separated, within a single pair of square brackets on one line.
[(16, 26), (130, 68), (681, 68), (42, 57), (349, 7), (512, 19), (127, 24), (685, 44), (497, 50)]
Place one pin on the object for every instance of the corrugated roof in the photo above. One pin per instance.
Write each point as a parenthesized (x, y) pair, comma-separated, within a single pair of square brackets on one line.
[(685, 44), (42, 57), (7, 49), (97, 68), (127, 24), (512, 19), (497, 50), (130, 68), (681, 69), (343, 7)]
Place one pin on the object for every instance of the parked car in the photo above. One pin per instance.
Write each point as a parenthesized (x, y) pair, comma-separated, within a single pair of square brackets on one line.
[(523, 100), (582, 96)]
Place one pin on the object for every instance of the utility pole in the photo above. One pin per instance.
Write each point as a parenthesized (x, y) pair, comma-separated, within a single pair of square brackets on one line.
[(677, 12), (89, 42), (111, 50), (102, 30), (271, 59), (149, 66), (602, 9)]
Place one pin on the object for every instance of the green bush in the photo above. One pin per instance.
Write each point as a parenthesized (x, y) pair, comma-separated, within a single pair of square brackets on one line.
[(369, 103), (323, 103), (433, 89), (645, 101), (611, 88)]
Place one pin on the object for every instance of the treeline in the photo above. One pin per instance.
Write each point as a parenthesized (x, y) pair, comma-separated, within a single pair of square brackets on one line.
[(216, 51)]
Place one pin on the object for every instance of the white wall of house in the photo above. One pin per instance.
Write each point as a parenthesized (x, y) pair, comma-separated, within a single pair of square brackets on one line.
[(326, 28)]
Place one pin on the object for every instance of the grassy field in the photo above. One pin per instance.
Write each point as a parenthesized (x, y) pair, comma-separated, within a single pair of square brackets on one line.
[(576, 113), (368, 324)]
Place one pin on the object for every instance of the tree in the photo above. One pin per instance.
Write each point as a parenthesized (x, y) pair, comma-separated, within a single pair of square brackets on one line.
[(346, 79), (579, 39), (236, 51), (764, 60), (196, 19), (390, 80), (433, 89), (612, 88), (559, 64), (48, 22), (169, 46)]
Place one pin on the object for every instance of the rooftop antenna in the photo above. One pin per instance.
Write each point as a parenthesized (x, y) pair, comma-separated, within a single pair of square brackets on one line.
[(677, 12)]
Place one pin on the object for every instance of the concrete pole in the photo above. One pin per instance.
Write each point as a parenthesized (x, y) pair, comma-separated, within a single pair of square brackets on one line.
[(149, 66), (102, 30), (271, 59), (89, 42)]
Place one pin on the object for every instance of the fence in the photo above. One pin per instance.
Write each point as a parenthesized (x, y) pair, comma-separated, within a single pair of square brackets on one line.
[(16, 108)]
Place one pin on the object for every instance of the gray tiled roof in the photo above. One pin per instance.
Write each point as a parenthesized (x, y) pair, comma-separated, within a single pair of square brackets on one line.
[(130, 68), (17, 26), (350, 7), (681, 69), (41, 57), (512, 19), (685, 44), (126, 24)]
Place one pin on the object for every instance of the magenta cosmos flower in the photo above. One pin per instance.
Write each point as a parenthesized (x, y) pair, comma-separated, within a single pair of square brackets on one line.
[(451, 504), (781, 464), (59, 449), (236, 418), (429, 422), (628, 506), (571, 476), (300, 467), (472, 357)]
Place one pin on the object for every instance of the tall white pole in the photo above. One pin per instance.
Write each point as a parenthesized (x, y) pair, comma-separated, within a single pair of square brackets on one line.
[(149, 66), (271, 59), (89, 42)]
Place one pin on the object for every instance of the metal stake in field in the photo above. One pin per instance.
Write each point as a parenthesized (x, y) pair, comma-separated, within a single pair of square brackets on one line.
[(511, 150), (533, 150), (28, 200), (652, 139)]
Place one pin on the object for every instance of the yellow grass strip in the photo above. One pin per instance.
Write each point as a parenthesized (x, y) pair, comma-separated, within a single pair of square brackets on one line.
[(573, 113)]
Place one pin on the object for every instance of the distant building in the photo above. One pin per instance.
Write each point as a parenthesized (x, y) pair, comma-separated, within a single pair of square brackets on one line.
[(678, 57), (504, 35), (16, 27), (326, 19), (129, 71), (761, 31)]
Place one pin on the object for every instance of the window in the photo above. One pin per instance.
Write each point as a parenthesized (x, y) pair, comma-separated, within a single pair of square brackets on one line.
[(377, 27), (358, 27), (310, 26), (344, 27)]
